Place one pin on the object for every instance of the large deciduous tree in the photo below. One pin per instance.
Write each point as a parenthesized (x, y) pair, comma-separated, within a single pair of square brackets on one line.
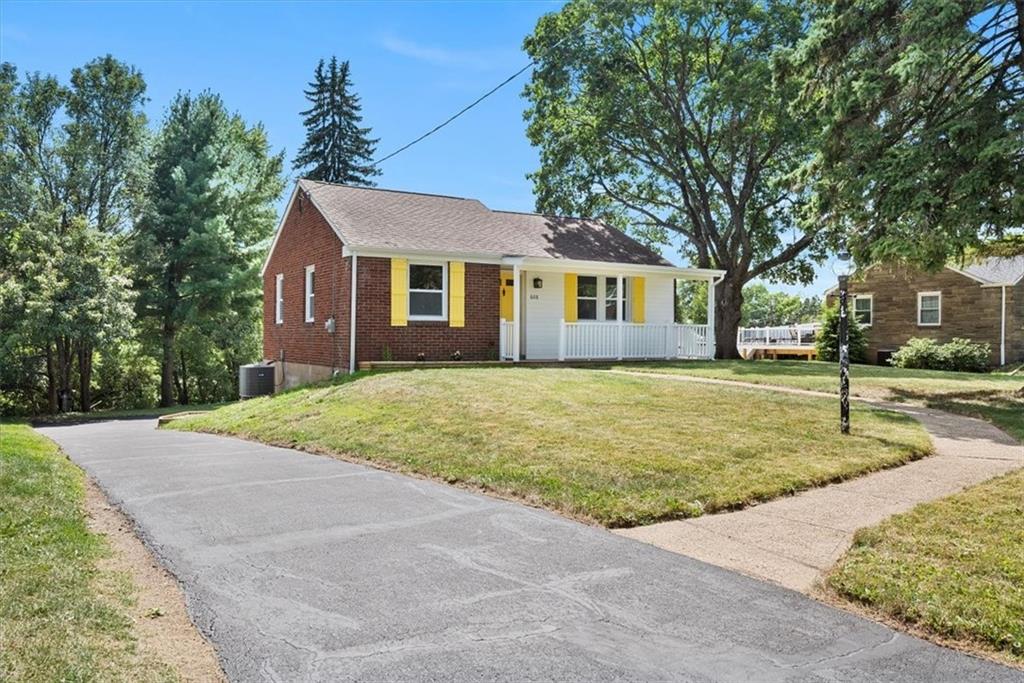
[(210, 206), (665, 116), (337, 149), (923, 152), (68, 153)]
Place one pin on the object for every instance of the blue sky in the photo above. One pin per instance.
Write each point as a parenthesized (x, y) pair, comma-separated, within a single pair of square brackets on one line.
[(413, 64)]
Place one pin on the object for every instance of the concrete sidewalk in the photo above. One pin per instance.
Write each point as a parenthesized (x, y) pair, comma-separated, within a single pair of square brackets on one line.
[(792, 541), (300, 567)]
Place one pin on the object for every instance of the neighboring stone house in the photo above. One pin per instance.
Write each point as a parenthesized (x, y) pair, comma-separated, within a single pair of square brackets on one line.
[(357, 275), (982, 301)]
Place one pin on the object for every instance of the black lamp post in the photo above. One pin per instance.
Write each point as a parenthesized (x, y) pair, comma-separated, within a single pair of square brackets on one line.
[(844, 264)]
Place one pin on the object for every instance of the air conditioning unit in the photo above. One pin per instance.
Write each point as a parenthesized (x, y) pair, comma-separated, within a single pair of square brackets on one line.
[(255, 379)]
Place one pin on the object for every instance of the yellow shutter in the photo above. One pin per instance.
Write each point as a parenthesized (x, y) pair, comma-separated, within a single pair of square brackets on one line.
[(399, 292), (570, 297), (456, 294), (638, 300)]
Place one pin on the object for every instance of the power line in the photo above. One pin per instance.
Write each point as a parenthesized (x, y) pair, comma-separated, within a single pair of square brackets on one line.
[(469, 106)]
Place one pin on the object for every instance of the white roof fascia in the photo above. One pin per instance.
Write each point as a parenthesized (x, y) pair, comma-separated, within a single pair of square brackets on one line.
[(472, 257), (567, 265)]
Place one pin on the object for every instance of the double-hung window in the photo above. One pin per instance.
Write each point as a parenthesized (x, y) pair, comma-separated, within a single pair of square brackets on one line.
[(586, 297), (428, 294), (598, 298), (929, 309), (279, 299), (613, 298), (310, 292), (863, 309)]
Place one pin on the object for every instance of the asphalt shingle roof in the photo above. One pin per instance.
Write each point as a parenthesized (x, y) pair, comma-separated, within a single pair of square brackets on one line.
[(390, 219), (997, 269)]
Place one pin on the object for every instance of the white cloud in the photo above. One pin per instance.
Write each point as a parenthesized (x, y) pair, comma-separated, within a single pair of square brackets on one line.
[(480, 60)]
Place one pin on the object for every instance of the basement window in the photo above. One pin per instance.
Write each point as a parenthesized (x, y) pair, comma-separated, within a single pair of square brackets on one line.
[(428, 295)]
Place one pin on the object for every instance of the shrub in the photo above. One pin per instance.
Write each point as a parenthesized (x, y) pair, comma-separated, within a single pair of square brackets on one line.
[(827, 339), (959, 355)]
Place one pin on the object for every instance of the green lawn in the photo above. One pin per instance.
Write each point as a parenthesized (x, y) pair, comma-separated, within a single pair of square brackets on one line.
[(954, 567), (988, 396), (62, 618), (610, 448)]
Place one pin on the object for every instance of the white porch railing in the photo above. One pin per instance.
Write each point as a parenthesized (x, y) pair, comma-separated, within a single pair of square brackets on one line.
[(611, 340), (505, 339)]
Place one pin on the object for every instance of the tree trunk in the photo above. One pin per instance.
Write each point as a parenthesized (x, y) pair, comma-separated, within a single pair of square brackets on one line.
[(85, 376), (65, 355), (51, 381), (181, 379), (167, 367), (728, 312)]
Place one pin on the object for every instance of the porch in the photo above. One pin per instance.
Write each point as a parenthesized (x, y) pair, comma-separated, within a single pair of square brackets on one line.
[(592, 311)]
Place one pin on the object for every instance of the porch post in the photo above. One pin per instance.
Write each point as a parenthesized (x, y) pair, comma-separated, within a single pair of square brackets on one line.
[(561, 339), (619, 297), (517, 317), (710, 337)]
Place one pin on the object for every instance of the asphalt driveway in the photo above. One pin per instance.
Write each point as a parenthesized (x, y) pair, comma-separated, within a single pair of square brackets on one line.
[(299, 567)]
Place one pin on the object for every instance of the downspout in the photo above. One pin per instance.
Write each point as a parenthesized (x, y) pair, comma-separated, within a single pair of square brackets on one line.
[(1002, 329), (352, 321)]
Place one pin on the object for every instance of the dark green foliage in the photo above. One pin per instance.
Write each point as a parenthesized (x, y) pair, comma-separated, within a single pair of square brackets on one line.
[(337, 149), (827, 339), (209, 207), (958, 355), (923, 153)]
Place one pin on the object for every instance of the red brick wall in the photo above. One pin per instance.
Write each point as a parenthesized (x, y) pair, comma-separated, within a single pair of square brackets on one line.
[(307, 239), (478, 340)]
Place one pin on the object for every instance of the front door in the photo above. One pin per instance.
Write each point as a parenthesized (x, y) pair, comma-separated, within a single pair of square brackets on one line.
[(506, 295)]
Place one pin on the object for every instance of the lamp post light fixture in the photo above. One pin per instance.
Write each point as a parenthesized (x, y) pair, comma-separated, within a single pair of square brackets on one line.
[(843, 268)]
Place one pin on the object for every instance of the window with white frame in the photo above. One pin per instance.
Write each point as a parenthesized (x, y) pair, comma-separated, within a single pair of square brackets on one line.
[(929, 308), (279, 298), (863, 309), (310, 292), (598, 298), (586, 297), (428, 291)]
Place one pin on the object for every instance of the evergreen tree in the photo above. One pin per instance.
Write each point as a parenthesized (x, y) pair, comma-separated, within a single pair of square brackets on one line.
[(337, 149), (209, 204)]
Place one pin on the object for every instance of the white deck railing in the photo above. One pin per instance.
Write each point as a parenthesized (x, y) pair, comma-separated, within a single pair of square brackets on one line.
[(612, 340), (773, 337), (505, 339)]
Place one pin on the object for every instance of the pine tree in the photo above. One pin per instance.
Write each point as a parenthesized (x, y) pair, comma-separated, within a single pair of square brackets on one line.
[(337, 149)]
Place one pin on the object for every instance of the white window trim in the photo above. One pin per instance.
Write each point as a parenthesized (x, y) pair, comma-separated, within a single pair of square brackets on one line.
[(597, 298), (310, 296), (410, 290), (871, 308), (920, 297), (279, 298), (601, 299)]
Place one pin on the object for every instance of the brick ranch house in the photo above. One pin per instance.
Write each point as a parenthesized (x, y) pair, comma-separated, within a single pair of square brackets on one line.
[(357, 275), (981, 301)]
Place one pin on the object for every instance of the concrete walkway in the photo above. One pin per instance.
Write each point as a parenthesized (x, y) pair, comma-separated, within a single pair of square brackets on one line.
[(304, 568), (792, 541)]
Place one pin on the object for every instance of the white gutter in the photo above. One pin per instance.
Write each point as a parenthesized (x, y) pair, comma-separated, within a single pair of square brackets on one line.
[(537, 263), (352, 321)]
